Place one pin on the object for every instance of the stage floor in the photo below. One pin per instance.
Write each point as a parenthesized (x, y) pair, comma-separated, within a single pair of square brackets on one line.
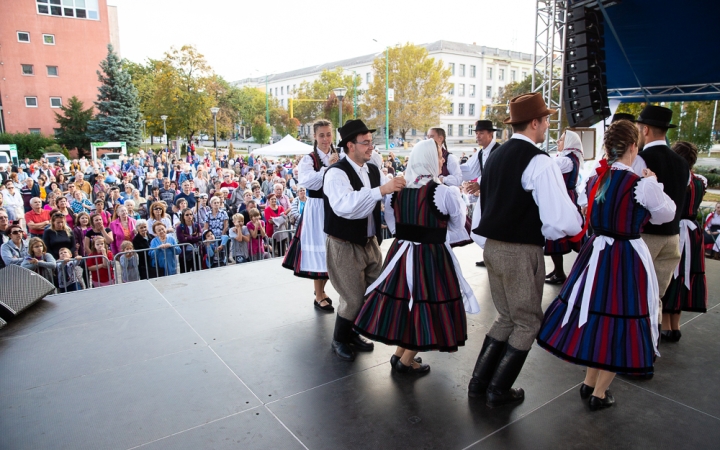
[(238, 358)]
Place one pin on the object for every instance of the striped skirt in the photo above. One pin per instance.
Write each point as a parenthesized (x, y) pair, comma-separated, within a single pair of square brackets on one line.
[(678, 297), (293, 257), (617, 336), (562, 246), (437, 319)]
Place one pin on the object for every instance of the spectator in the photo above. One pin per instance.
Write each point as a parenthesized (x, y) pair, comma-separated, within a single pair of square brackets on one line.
[(239, 240), (37, 219), (213, 253), (275, 220), (256, 227), (128, 192), (39, 260), (50, 201), (122, 228), (167, 193), (176, 216), (13, 202), (165, 245), (188, 232), (298, 205), (141, 241), (186, 194), (229, 183), (250, 204), (61, 182), (158, 213), (83, 185), (257, 194), (97, 229), (129, 262), (100, 209), (62, 206), (100, 265), (80, 204), (139, 203), (130, 205), (114, 198), (201, 181), (282, 199), (67, 270), (15, 249), (58, 235), (28, 192), (82, 224), (217, 219), (100, 186)]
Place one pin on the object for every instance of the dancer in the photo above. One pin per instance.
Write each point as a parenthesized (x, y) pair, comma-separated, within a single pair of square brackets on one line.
[(524, 202), (687, 290), (605, 316), (417, 302), (450, 173), (353, 191), (570, 161), (306, 255)]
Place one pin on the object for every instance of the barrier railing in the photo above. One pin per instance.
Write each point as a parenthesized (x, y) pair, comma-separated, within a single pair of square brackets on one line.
[(84, 273), (280, 241)]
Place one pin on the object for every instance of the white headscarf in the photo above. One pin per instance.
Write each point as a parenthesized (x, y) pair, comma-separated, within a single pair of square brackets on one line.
[(423, 165), (573, 143)]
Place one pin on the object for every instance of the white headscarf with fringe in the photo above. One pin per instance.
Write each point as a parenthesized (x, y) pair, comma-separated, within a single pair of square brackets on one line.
[(574, 144), (423, 165)]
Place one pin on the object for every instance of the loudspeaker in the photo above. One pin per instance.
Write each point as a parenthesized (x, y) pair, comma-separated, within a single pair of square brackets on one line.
[(20, 289)]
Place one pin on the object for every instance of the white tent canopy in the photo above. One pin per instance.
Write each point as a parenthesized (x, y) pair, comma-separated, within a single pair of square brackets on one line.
[(287, 146)]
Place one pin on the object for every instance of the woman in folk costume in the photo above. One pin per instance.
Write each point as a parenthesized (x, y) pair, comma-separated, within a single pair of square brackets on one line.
[(306, 255), (419, 301), (570, 161), (687, 290), (606, 314)]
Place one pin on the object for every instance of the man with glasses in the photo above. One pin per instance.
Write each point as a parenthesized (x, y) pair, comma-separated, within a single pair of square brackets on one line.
[(353, 192), (13, 201)]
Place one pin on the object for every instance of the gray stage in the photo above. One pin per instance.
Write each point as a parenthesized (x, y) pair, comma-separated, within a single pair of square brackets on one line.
[(238, 358)]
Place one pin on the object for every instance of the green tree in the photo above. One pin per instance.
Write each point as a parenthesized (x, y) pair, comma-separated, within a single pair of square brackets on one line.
[(324, 102), (260, 130), (118, 117), (73, 124), (29, 145), (420, 83), (498, 111)]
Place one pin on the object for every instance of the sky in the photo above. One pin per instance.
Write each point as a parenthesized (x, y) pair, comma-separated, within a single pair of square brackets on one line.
[(249, 38)]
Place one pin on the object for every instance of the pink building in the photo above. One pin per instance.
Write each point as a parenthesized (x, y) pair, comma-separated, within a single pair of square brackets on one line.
[(50, 50)]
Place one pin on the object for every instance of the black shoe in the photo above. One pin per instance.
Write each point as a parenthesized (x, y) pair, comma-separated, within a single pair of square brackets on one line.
[(600, 403), (327, 299), (487, 362), (343, 351), (480, 263), (327, 308), (500, 392), (550, 275), (586, 391), (361, 344), (675, 335), (394, 359), (554, 279), (665, 336), (402, 368)]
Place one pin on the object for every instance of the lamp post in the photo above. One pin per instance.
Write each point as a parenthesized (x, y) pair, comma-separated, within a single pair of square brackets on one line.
[(164, 118), (143, 135), (340, 94), (214, 110), (387, 98)]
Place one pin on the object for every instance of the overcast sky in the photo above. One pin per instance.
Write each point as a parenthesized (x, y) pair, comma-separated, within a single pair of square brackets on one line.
[(242, 38)]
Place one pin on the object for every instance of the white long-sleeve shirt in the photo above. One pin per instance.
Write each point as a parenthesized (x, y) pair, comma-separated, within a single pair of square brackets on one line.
[(307, 177), (349, 203), (472, 168), (455, 177)]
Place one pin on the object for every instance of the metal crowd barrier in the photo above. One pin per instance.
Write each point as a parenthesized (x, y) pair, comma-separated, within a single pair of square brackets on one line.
[(279, 242), (97, 264)]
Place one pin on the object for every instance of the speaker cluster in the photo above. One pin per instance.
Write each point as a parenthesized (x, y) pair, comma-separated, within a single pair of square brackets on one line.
[(585, 96)]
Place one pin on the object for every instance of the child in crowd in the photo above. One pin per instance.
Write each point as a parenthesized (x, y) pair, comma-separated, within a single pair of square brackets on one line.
[(129, 262), (213, 253), (100, 267), (69, 271), (256, 227), (239, 240), (39, 260)]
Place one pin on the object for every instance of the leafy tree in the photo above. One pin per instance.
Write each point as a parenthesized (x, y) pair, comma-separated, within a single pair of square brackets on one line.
[(29, 145), (73, 124), (118, 117), (499, 111), (260, 130), (420, 83), (322, 89)]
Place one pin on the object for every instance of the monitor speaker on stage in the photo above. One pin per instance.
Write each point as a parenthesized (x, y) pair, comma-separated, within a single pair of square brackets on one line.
[(585, 92), (20, 289)]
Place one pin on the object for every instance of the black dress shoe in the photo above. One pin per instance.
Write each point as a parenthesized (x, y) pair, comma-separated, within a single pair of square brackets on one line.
[(327, 308), (600, 403), (327, 299), (402, 368), (394, 359), (343, 351), (675, 335), (361, 344), (586, 391), (555, 279), (480, 263), (497, 398), (665, 336), (550, 275)]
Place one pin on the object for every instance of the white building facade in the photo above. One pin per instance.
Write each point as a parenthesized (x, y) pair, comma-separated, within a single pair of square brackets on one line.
[(478, 74)]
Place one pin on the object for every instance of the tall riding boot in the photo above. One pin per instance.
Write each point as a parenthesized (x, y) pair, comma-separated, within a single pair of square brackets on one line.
[(487, 362), (341, 339), (500, 392)]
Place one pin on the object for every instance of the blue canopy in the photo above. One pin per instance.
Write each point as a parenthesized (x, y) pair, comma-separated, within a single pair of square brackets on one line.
[(671, 47)]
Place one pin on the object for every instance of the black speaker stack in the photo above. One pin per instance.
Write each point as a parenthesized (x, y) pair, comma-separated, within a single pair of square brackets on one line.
[(585, 84)]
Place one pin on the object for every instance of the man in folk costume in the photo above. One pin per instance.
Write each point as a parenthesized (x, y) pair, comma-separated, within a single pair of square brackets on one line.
[(473, 170), (450, 175), (353, 190), (524, 202), (674, 173)]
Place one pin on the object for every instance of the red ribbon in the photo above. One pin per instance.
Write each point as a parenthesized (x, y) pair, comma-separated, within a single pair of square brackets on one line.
[(591, 199)]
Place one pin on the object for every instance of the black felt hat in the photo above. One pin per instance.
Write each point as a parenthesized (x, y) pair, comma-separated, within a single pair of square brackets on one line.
[(351, 129), (656, 116), (623, 116), (484, 125)]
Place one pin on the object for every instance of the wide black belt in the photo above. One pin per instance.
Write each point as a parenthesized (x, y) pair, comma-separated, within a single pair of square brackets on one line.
[(417, 233), (315, 194), (619, 237)]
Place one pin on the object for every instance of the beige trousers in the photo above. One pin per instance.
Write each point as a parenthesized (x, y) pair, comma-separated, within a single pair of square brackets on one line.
[(665, 252)]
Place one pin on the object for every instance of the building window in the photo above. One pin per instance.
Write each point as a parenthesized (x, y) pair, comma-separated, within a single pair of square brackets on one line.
[(55, 102), (49, 39), (471, 109), (452, 68), (287, 89), (471, 130), (489, 73), (452, 109), (460, 130), (293, 89), (501, 75), (462, 70), (31, 102), (276, 92), (23, 36), (461, 90), (52, 71), (524, 75), (513, 75), (472, 71), (452, 89), (472, 90), (27, 69), (413, 132), (282, 89), (367, 78), (81, 9), (34, 130), (450, 130), (488, 92), (461, 109)]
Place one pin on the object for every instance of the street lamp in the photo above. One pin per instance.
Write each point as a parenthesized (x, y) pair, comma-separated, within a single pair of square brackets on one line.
[(387, 97), (214, 110), (143, 135), (340, 94), (164, 118)]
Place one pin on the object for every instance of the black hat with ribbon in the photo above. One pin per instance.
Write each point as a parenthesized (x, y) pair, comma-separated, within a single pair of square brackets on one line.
[(484, 125), (656, 116), (351, 129), (623, 116)]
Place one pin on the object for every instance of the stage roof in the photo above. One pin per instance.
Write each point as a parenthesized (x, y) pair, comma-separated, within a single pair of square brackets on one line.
[(671, 46)]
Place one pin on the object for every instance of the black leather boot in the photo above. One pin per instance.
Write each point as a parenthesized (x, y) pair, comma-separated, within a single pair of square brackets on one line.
[(487, 362), (341, 339), (359, 343), (500, 392)]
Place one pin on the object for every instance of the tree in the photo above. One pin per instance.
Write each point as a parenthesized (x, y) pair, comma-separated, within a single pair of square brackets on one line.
[(260, 130), (420, 83), (118, 106), (322, 89), (73, 124), (29, 145), (498, 113)]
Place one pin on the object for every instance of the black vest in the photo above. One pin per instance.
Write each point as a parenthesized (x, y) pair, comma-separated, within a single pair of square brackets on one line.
[(317, 165), (673, 172), (354, 231), (509, 213)]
